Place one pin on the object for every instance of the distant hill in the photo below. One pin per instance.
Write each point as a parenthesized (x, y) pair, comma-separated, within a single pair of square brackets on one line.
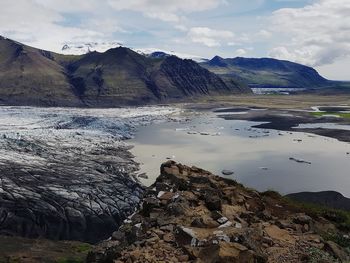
[(119, 76), (325, 198), (267, 72)]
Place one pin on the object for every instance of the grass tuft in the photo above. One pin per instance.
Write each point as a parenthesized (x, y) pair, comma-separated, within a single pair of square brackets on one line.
[(340, 114), (340, 218), (70, 260), (81, 248)]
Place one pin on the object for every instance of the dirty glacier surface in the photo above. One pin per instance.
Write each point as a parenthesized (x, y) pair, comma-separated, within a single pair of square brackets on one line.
[(66, 173)]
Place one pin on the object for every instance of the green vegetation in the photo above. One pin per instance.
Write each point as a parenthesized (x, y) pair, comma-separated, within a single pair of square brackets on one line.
[(340, 218), (340, 114), (81, 248), (12, 260), (337, 238), (18, 249), (70, 260), (316, 255)]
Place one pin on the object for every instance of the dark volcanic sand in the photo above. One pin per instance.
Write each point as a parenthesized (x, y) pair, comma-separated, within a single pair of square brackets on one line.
[(287, 121)]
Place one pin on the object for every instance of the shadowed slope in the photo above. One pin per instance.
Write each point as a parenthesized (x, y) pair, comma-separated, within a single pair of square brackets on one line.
[(121, 75), (32, 76)]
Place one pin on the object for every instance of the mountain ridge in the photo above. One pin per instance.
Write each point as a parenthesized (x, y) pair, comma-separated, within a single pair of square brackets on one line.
[(192, 215), (324, 198), (268, 72), (119, 76)]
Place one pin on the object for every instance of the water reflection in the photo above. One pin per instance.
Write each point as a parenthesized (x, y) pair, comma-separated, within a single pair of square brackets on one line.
[(259, 158)]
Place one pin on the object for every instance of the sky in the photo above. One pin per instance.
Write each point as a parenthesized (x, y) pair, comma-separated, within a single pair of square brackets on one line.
[(312, 32)]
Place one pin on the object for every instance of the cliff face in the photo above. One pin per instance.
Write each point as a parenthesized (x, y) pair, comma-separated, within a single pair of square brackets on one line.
[(119, 76), (191, 215), (187, 78), (122, 76)]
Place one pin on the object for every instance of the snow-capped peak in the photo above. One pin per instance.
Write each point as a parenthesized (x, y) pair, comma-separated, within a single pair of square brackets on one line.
[(83, 48), (75, 48), (161, 53)]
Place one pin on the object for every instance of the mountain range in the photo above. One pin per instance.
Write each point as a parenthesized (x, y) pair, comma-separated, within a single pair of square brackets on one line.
[(122, 76), (119, 76), (267, 72)]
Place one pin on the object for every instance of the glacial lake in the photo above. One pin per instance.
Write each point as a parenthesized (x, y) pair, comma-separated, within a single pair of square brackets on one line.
[(261, 159)]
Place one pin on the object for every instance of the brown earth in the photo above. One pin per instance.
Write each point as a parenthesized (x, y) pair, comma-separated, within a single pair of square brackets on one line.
[(24, 250)]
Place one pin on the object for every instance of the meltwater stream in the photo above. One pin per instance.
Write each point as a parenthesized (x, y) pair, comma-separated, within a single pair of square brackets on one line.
[(262, 159)]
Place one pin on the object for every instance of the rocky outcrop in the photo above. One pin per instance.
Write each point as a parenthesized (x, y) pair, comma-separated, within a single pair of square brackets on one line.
[(191, 215)]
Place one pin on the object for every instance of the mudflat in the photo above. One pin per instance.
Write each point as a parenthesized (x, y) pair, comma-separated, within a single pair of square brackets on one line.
[(286, 113)]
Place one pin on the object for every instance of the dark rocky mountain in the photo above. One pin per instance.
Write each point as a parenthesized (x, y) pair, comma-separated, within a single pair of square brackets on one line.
[(122, 75), (325, 198), (159, 54), (30, 76), (267, 72)]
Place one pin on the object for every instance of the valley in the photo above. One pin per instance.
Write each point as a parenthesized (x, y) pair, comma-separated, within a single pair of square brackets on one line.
[(178, 131), (76, 174), (82, 138)]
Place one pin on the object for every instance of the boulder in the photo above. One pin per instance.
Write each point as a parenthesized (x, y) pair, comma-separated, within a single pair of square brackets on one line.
[(279, 234), (227, 172), (235, 252), (337, 251), (213, 202), (302, 219)]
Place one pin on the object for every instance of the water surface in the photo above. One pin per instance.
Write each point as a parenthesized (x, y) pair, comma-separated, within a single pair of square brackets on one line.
[(259, 158)]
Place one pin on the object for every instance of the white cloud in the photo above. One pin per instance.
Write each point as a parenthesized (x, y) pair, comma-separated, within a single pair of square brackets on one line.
[(48, 24), (240, 52), (233, 43), (182, 28), (164, 10), (265, 34), (338, 70), (106, 25), (208, 36), (69, 6), (40, 23), (316, 34)]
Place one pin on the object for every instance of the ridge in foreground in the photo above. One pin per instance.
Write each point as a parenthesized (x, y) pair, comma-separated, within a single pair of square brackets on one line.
[(191, 215)]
